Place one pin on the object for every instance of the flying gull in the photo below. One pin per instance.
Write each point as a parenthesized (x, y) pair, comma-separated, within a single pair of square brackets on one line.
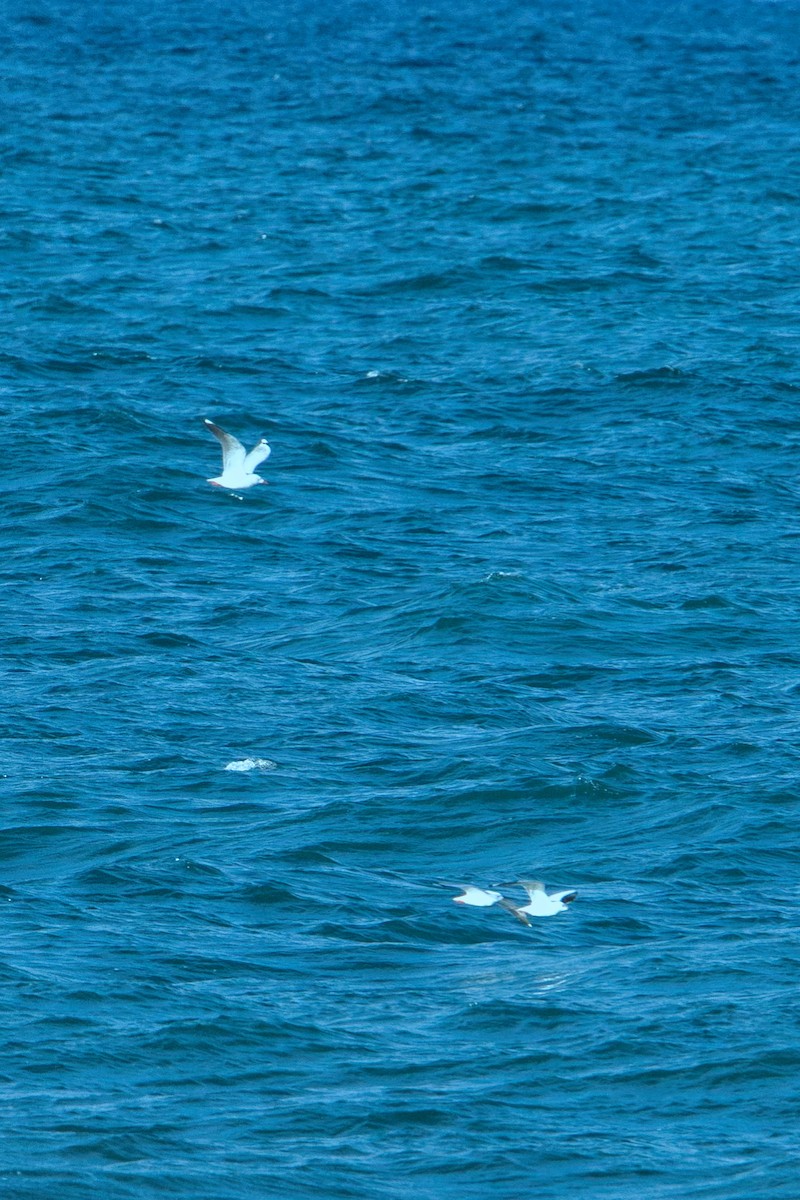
[(540, 904), (237, 465)]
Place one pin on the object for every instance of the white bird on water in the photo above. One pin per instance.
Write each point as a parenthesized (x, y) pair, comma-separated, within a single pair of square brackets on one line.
[(540, 904), (237, 465)]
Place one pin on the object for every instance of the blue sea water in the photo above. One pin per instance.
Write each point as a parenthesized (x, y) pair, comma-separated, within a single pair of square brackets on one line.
[(512, 290)]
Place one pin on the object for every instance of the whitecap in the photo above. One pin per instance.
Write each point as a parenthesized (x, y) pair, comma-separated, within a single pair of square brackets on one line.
[(251, 764)]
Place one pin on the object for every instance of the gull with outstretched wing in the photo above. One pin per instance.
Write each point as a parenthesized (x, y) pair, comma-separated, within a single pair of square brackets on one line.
[(481, 898), (540, 904), (238, 467)]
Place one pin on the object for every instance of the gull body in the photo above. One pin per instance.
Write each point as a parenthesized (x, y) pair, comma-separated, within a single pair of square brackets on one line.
[(237, 465), (478, 897)]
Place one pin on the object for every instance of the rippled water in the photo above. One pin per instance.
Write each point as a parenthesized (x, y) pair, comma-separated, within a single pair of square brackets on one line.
[(512, 292)]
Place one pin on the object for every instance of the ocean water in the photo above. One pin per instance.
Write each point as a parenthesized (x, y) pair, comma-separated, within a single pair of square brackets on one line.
[(512, 290)]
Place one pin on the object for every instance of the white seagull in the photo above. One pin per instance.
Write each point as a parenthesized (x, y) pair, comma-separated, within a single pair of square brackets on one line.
[(481, 898), (237, 464), (540, 904)]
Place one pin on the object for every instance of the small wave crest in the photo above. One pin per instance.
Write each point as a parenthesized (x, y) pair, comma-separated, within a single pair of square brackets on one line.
[(251, 764)]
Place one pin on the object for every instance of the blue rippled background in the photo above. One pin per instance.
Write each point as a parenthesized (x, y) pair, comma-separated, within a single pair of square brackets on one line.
[(512, 290)]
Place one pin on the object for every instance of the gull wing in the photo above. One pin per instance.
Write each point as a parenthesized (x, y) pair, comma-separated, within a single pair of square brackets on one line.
[(233, 452), (257, 455), (512, 908), (531, 886), (564, 897)]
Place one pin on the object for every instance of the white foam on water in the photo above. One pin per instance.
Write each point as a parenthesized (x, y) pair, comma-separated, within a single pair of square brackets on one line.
[(251, 764)]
